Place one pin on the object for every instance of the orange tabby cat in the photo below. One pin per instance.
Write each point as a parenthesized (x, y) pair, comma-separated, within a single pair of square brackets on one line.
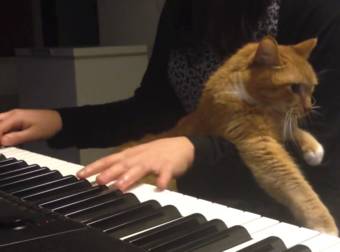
[(255, 100)]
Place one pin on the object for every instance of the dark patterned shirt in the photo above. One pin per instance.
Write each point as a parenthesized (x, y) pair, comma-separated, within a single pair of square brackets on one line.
[(188, 78)]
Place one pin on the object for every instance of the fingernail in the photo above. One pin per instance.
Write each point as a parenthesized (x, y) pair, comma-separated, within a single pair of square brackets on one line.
[(121, 182), (100, 180), (81, 173), (4, 141), (160, 189)]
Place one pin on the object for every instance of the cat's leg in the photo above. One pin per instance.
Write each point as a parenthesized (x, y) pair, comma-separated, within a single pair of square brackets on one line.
[(279, 176), (312, 150)]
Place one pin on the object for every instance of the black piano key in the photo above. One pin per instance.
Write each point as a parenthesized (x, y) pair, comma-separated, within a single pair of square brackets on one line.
[(21, 176), (299, 248), (19, 171), (60, 191), (149, 220), (9, 166), (31, 181), (104, 208), (72, 197), (2, 157), (105, 222), (7, 161), (270, 244), (167, 231), (44, 186), (206, 229), (137, 218), (91, 201), (220, 241)]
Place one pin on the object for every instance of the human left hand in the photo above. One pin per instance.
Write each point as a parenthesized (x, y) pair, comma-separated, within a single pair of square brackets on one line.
[(166, 158)]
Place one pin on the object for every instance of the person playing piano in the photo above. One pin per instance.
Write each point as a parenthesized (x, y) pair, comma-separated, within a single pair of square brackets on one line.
[(192, 39)]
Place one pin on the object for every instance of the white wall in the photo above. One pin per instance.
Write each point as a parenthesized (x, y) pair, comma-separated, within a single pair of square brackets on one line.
[(128, 22)]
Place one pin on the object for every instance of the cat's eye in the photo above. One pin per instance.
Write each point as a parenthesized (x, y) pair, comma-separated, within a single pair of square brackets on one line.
[(296, 88)]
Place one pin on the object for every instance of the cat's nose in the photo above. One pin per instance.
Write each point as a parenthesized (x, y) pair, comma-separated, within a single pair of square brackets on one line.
[(307, 108), (306, 105)]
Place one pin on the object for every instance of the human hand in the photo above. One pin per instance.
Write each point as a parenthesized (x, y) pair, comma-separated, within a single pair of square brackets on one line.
[(24, 125), (166, 158)]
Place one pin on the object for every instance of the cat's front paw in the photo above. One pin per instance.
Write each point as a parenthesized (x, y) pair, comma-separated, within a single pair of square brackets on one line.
[(314, 156), (324, 224)]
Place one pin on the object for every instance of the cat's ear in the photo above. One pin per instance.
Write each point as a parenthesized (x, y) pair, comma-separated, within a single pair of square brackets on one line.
[(267, 52), (306, 47)]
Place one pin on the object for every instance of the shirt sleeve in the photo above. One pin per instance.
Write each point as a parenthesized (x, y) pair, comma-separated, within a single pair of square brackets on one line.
[(153, 108)]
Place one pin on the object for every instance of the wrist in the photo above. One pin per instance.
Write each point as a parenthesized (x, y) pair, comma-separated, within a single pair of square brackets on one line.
[(190, 150), (55, 124)]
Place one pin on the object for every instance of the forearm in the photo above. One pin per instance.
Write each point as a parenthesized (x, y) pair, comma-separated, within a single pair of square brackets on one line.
[(153, 108), (114, 123)]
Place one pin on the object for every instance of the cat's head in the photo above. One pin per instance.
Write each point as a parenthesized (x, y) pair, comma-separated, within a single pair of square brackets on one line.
[(280, 76)]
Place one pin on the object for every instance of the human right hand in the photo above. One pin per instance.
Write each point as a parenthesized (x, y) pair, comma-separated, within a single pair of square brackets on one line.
[(166, 158), (24, 125)]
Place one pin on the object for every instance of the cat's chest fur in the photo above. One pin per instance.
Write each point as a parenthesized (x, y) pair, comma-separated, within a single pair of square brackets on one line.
[(234, 114)]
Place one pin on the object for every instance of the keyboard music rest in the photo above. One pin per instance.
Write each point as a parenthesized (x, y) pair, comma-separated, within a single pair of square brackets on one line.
[(257, 226)]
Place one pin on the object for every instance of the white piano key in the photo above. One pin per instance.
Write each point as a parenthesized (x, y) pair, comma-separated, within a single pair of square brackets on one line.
[(230, 216), (259, 224), (188, 205), (321, 242), (291, 235), (300, 235), (64, 167), (279, 230), (335, 248)]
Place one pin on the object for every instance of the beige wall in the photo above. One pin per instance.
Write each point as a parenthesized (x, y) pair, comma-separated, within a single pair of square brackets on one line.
[(8, 84), (128, 22), (77, 76)]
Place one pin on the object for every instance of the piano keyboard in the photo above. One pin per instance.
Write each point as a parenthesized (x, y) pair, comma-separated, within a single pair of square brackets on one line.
[(44, 207)]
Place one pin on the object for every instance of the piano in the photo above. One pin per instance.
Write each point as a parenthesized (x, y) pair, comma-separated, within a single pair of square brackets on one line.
[(44, 207)]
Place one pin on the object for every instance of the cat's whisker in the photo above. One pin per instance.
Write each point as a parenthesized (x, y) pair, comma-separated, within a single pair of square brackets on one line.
[(314, 112), (295, 118), (316, 107), (314, 101), (315, 115), (303, 121), (288, 123), (324, 71), (288, 126)]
